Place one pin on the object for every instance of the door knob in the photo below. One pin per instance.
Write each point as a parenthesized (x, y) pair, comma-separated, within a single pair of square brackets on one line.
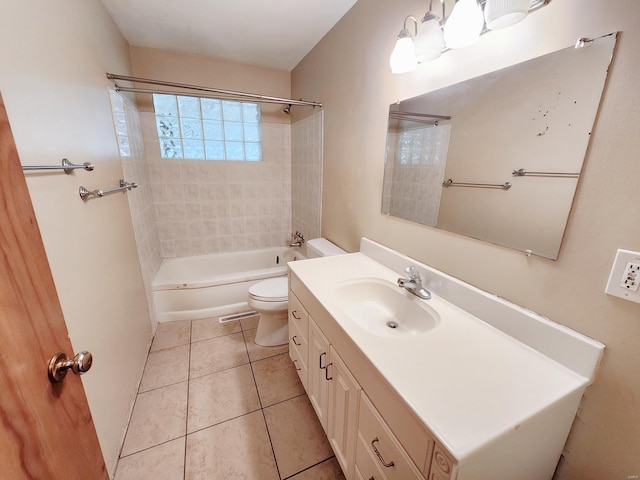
[(60, 364)]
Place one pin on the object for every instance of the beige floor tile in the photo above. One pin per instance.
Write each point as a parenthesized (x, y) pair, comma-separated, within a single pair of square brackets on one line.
[(221, 396), (297, 436), (327, 470), (250, 323), (257, 352), (171, 334), (216, 354), (164, 462), (165, 367), (211, 328), (277, 379), (237, 449), (158, 416)]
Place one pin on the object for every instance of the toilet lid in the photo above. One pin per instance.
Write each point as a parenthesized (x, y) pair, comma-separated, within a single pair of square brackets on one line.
[(271, 290)]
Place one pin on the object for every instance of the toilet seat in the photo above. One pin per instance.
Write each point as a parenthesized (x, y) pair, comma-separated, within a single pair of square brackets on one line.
[(271, 290)]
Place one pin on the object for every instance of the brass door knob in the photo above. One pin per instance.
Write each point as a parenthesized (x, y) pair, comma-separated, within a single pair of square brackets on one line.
[(60, 364)]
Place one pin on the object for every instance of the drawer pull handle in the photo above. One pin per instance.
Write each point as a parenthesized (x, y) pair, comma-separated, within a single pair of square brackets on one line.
[(379, 455), (295, 364), (293, 313), (294, 341), (322, 355), (326, 372)]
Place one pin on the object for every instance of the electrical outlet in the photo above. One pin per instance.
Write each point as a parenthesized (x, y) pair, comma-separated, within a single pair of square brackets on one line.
[(630, 277), (624, 278)]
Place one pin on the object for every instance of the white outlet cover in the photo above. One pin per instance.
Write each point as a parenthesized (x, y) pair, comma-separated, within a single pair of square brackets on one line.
[(623, 257)]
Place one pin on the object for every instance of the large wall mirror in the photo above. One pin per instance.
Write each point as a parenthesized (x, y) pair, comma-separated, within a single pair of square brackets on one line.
[(498, 157)]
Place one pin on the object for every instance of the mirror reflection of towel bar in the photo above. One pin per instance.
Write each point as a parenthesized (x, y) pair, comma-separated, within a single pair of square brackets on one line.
[(522, 172), (451, 183), (85, 193)]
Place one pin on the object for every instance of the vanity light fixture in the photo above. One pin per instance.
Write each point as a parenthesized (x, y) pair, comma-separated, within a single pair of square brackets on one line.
[(468, 20), (403, 58)]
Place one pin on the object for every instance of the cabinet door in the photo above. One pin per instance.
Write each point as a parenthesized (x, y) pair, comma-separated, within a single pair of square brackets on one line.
[(318, 380), (342, 419)]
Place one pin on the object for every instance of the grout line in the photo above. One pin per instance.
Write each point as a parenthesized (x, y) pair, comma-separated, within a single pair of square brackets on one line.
[(310, 467), (151, 447), (225, 421)]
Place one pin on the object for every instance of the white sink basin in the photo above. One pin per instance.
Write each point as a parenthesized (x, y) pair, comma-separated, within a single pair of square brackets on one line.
[(384, 309)]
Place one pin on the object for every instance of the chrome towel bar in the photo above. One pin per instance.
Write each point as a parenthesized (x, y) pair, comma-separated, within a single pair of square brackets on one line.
[(66, 165), (522, 172), (85, 193), (451, 183)]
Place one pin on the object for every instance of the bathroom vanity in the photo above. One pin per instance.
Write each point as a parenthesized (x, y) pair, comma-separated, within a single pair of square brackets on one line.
[(463, 386)]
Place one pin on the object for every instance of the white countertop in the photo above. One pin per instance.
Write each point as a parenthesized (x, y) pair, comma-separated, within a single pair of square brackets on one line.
[(466, 380)]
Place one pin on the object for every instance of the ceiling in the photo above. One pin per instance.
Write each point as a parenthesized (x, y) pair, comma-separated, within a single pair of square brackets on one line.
[(270, 33)]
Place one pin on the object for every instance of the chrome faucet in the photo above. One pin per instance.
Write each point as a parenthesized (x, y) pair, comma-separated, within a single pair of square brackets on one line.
[(414, 283), (297, 239)]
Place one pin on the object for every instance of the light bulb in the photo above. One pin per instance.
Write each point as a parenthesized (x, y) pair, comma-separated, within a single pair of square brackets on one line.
[(504, 13), (429, 42), (464, 24), (403, 57)]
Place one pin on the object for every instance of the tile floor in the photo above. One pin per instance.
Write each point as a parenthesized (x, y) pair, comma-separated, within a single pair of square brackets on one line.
[(214, 405)]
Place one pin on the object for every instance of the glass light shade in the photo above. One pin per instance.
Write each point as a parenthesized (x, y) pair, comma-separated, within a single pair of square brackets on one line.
[(429, 42), (464, 24), (403, 57), (504, 13)]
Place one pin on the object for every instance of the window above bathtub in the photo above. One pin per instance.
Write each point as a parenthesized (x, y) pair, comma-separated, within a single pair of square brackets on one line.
[(194, 128)]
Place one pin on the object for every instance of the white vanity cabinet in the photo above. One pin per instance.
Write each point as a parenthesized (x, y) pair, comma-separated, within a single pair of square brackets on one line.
[(464, 386), (337, 377)]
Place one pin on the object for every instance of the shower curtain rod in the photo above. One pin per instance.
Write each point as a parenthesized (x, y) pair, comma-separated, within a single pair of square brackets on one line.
[(226, 94)]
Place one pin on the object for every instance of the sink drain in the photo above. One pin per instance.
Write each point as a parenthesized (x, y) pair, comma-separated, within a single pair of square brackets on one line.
[(392, 324)]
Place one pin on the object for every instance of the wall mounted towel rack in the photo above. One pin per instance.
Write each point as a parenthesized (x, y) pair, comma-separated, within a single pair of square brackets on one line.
[(85, 193), (66, 165), (451, 183), (522, 173)]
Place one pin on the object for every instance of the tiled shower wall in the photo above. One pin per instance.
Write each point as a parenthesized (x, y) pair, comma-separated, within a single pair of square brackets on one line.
[(132, 154), (205, 206), (306, 175)]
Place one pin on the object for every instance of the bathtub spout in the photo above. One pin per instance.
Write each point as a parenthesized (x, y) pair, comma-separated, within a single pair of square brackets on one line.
[(297, 239)]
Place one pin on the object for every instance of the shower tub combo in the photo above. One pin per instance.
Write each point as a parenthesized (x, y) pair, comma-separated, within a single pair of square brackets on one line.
[(202, 286)]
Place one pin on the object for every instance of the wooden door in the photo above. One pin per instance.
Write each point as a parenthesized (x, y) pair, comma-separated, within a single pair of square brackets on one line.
[(47, 432)]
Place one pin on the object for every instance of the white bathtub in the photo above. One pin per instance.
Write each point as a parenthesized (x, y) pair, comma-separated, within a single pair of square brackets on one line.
[(189, 288)]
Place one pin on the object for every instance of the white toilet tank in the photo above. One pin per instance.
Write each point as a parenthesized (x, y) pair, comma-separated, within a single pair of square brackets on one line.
[(321, 247)]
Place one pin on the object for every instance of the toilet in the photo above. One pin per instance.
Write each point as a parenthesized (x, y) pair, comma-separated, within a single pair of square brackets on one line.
[(270, 298)]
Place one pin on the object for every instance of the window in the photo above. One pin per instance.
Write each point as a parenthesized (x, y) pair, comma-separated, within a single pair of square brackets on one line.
[(205, 128)]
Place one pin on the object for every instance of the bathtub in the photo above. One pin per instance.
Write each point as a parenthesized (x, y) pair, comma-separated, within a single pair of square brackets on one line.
[(202, 286)]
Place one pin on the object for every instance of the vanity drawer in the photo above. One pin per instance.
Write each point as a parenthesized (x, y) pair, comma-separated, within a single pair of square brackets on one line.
[(374, 434), (367, 464), (298, 316)]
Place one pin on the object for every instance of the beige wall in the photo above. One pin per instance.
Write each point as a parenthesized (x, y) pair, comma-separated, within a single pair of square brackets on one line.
[(53, 59), (204, 207), (348, 72)]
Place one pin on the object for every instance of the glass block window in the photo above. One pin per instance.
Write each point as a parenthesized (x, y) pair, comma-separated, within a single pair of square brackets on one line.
[(208, 129)]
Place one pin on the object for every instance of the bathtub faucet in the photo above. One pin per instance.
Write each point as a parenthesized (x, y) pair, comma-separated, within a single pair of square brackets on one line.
[(297, 239)]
